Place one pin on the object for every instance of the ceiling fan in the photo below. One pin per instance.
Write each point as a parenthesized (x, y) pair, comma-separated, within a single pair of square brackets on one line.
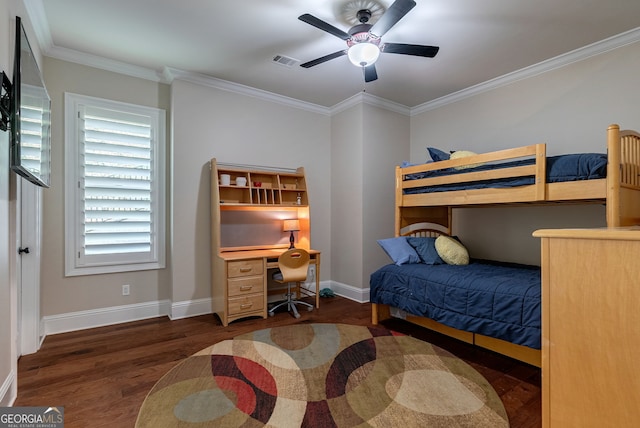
[(364, 43)]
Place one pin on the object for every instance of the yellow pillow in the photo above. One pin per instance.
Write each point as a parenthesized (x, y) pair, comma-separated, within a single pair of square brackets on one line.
[(451, 251), (464, 154)]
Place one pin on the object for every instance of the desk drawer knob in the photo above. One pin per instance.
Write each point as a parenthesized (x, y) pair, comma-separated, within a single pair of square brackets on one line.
[(245, 269), (246, 305), (246, 287)]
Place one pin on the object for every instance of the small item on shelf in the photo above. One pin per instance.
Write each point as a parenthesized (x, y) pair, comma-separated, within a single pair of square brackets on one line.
[(241, 181), (225, 179), (257, 184), (299, 199)]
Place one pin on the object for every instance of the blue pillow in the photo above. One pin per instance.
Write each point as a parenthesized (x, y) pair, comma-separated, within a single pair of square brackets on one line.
[(437, 154), (426, 249), (399, 250)]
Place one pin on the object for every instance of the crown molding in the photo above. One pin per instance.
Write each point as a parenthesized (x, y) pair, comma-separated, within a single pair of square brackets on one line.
[(35, 10), (171, 73), (365, 98), (606, 45), (106, 64), (38, 18)]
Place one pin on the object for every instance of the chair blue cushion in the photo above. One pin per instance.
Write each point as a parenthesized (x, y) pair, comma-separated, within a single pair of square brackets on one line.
[(399, 250)]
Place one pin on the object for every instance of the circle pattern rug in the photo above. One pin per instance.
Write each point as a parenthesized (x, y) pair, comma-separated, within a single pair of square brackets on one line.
[(322, 375)]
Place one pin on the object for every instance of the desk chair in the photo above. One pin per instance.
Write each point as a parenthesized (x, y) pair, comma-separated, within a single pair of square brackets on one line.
[(293, 266)]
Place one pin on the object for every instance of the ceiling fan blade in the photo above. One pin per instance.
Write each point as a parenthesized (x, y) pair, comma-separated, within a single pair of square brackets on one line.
[(406, 49), (391, 16), (324, 59), (370, 73), (324, 26)]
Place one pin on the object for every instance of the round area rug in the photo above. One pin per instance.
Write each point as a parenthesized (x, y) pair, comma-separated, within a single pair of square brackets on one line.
[(322, 375)]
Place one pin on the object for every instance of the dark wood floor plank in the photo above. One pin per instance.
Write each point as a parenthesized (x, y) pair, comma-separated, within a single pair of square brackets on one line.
[(108, 371)]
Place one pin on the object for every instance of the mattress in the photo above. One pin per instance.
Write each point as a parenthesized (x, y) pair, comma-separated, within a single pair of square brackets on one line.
[(500, 300), (562, 168)]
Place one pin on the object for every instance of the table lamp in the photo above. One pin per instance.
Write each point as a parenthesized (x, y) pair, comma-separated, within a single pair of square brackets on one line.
[(291, 226)]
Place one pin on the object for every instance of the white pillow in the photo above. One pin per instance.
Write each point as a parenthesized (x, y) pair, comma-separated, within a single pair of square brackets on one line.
[(464, 154), (451, 251)]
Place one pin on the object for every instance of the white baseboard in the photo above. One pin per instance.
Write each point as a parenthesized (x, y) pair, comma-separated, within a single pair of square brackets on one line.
[(8, 390), (105, 316), (190, 308), (343, 290), (360, 295), (74, 321)]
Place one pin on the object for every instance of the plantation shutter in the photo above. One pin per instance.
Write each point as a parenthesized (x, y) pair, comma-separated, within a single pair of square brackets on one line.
[(114, 186), (116, 182)]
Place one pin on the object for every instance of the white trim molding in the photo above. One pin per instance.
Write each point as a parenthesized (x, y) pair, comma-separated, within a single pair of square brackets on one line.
[(170, 74), (8, 390), (35, 9), (606, 45), (82, 320), (360, 295), (190, 308), (364, 98)]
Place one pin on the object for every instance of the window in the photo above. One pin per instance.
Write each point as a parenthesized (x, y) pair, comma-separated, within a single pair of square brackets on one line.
[(114, 196)]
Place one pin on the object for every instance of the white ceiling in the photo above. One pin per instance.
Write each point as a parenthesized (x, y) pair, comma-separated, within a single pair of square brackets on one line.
[(236, 40)]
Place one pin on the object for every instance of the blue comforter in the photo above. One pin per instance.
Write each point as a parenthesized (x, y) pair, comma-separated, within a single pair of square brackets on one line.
[(500, 300), (571, 167)]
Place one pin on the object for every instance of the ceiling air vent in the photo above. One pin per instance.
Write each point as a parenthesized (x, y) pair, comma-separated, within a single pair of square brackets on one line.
[(285, 60)]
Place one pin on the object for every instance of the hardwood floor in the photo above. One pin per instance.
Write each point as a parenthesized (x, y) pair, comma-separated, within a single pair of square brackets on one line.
[(101, 376)]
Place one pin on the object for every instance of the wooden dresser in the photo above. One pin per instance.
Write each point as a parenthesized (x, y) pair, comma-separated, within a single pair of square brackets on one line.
[(590, 327)]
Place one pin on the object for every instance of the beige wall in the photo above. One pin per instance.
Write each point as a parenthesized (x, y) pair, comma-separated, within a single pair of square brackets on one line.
[(386, 144), (235, 128), (367, 142), (60, 294), (346, 195), (569, 109)]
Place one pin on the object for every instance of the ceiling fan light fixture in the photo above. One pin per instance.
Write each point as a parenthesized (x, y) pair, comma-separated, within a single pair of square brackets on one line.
[(363, 54)]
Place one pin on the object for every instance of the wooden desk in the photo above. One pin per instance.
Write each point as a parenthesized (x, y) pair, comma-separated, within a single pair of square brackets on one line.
[(242, 291)]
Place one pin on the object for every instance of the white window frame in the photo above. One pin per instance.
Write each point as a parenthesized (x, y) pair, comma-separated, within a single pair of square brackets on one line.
[(75, 263)]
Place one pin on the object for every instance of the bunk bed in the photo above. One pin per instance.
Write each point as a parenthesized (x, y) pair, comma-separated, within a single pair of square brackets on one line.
[(425, 196)]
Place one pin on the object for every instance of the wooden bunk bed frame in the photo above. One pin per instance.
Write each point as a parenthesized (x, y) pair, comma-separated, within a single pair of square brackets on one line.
[(416, 214)]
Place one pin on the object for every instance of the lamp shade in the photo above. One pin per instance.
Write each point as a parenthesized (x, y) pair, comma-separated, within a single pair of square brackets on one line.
[(291, 225), (363, 54)]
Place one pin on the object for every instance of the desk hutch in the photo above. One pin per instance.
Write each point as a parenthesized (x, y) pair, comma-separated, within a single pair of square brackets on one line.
[(247, 235)]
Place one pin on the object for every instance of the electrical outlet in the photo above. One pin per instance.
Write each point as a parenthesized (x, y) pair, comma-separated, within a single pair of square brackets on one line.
[(125, 290)]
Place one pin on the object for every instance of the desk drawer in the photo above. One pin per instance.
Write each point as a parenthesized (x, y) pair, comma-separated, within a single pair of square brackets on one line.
[(245, 285), (239, 305), (244, 268)]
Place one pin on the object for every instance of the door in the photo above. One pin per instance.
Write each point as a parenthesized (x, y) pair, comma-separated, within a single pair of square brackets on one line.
[(29, 239)]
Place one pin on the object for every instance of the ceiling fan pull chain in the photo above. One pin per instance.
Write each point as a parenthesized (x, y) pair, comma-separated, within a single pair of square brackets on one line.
[(364, 82)]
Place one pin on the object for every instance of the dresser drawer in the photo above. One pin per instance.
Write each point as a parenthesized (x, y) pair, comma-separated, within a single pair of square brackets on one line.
[(239, 305), (244, 268), (245, 285)]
